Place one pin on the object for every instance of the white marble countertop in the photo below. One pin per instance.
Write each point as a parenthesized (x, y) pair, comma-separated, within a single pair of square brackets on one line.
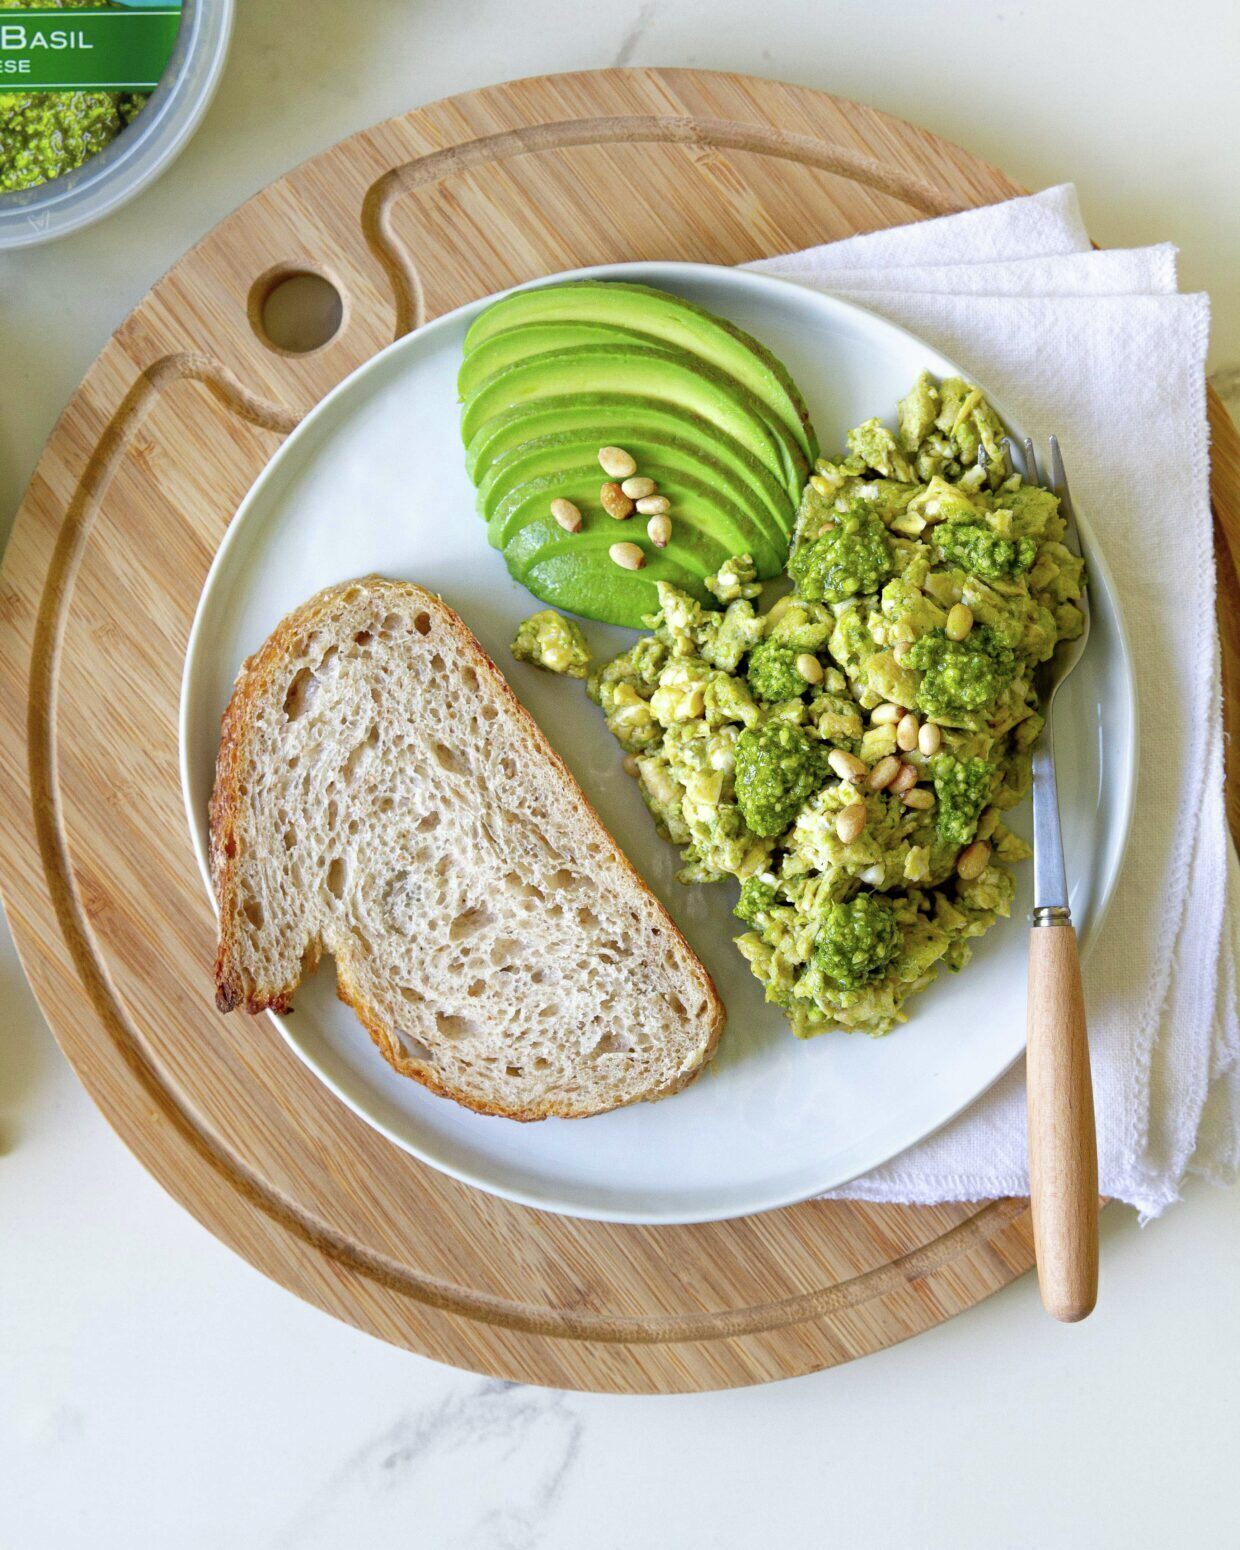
[(154, 1390)]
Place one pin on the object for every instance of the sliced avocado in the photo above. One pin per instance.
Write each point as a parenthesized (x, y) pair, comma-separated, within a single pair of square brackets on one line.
[(576, 572), (697, 509), (519, 344), (629, 598), (675, 465), (634, 371), (588, 414), (693, 554), (670, 318)]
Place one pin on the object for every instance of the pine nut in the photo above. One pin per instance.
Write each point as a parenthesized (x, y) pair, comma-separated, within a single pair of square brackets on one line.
[(616, 462), (627, 556), (823, 486), (886, 714), (809, 667), (906, 732), (846, 765), (973, 860), (659, 531), (875, 876), (567, 515), (638, 487), (883, 773), (631, 765), (930, 739), (652, 505), (988, 823), (959, 621), (906, 778), (850, 822), (615, 502), (919, 797), (779, 608)]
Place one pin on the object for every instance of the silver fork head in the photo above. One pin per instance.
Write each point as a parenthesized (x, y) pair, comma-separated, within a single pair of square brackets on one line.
[(984, 459), (1068, 653), (1050, 880)]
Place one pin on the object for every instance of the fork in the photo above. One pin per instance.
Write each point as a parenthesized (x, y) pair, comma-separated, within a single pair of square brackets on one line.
[(1063, 1152)]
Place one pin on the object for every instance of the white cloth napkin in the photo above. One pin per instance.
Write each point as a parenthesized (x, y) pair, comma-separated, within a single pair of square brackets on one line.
[(1101, 350)]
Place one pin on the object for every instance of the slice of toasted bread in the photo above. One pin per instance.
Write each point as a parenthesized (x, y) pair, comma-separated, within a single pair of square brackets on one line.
[(381, 795)]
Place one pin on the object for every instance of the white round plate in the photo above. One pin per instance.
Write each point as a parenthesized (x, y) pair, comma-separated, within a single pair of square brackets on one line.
[(374, 480)]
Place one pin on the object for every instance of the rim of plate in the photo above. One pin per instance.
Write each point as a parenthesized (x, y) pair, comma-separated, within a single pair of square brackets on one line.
[(649, 270)]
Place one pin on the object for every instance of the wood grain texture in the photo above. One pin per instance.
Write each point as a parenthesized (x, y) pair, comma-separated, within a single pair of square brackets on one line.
[(1063, 1149), (126, 509)]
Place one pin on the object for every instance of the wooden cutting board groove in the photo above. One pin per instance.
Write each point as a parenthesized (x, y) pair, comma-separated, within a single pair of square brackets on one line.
[(113, 540)]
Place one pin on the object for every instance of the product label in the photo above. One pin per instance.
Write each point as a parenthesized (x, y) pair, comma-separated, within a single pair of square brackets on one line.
[(123, 47)]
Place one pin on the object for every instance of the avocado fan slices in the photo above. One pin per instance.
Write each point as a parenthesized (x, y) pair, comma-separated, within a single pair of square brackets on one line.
[(553, 375), (700, 492), (518, 438), (664, 317), (644, 372)]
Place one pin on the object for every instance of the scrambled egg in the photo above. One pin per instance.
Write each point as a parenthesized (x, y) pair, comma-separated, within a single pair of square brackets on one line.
[(550, 641), (847, 754)]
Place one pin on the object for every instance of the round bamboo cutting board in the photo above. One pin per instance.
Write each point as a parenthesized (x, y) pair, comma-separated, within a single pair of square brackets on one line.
[(99, 586)]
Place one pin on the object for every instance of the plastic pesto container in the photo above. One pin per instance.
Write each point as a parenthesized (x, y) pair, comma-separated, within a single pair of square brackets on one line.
[(143, 150)]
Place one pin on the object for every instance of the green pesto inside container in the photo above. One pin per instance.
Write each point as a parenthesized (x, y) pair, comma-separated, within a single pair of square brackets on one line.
[(45, 134)]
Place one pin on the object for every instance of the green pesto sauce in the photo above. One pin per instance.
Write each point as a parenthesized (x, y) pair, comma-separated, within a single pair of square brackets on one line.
[(778, 768), (981, 551), (853, 556), (46, 134), (757, 896), (962, 788), (857, 940), (959, 676), (772, 672)]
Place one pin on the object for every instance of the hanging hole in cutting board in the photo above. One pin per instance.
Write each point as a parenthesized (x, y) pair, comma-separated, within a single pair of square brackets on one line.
[(295, 311)]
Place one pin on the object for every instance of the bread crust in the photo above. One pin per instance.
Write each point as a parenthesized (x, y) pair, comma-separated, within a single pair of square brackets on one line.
[(254, 683)]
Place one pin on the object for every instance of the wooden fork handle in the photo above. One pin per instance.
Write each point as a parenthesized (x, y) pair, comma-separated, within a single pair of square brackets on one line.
[(1063, 1152)]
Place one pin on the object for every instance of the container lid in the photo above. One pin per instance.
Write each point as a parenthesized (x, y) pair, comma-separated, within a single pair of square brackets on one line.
[(142, 150)]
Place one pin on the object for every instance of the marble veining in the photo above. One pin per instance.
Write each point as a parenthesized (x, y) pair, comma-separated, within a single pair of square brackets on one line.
[(495, 1458), (633, 35)]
